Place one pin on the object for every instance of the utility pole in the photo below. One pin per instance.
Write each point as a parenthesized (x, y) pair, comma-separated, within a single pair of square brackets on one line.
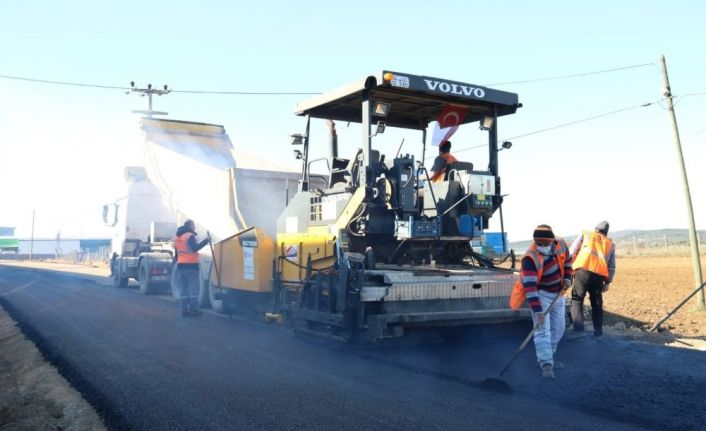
[(31, 239), (667, 92), (149, 91), (634, 246)]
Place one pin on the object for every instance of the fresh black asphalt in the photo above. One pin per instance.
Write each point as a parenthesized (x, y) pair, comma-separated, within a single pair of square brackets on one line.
[(144, 367)]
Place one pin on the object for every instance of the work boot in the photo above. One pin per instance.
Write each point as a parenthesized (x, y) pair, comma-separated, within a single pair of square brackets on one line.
[(547, 371)]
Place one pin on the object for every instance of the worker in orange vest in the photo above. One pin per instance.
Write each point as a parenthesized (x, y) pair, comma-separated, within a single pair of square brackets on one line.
[(545, 273), (441, 162), (594, 264), (187, 248)]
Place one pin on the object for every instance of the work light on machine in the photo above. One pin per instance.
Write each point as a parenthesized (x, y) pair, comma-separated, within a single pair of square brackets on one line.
[(487, 123), (381, 109)]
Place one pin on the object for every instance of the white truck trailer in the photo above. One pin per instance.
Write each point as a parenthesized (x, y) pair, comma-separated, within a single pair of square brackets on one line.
[(190, 173)]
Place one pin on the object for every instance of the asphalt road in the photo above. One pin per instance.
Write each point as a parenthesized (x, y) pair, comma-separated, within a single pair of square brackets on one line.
[(142, 366)]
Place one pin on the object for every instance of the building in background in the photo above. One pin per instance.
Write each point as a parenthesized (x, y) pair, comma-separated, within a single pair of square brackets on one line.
[(8, 242)]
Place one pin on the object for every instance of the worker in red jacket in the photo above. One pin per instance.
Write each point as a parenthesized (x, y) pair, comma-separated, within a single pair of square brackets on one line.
[(545, 273)]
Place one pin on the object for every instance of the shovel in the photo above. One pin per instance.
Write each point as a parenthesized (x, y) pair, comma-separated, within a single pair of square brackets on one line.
[(498, 384)]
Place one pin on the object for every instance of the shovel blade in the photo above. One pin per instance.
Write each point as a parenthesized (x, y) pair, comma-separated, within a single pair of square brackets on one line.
[(496, 385)]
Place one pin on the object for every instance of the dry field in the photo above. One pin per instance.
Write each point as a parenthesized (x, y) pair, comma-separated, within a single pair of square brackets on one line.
[(645, 288)]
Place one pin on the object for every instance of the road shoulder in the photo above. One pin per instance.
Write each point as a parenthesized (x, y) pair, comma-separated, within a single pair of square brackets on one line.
[(34, 395)]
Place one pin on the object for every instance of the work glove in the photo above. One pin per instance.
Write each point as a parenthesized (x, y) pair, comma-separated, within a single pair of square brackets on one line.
[(605, 287)]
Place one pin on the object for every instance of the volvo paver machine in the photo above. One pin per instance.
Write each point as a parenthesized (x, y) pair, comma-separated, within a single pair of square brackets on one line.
[(381, 250)]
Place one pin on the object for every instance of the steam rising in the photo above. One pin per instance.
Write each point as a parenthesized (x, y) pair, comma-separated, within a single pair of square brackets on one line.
[(191, 172)]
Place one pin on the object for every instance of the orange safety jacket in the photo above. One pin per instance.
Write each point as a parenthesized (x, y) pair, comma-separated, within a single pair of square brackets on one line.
[(518, 297), (184, 253), (439, 176), (593, 254)]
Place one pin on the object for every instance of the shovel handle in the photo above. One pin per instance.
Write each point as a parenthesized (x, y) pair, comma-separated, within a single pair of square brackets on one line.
[(213, 259)]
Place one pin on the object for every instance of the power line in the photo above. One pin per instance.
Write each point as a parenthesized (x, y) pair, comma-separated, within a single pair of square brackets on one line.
[(300, 93), (680, 98), (248, 93), (617, 111), (75, 84), (605, 114), (575, 75), (114, 87)]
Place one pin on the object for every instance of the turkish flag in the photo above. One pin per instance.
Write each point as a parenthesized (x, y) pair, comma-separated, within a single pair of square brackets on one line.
[(449, 120)]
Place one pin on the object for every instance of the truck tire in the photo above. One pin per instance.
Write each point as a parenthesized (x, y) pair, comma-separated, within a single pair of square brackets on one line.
[(118, 280), (147, 287)]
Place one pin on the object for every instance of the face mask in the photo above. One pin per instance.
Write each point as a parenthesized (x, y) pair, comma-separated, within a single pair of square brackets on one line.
[(546, 249)]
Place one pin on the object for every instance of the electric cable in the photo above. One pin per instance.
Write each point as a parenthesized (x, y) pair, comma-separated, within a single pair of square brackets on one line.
[(115, 87), (299, 93), (680, 98), (605, 114), (574, 75), (75, 84)]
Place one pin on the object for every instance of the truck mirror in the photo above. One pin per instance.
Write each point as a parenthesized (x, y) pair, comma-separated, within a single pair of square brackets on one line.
[(110, 214)]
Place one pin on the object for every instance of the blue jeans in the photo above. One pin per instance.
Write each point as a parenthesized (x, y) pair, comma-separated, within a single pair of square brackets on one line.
[(546, 338), (188, 289)]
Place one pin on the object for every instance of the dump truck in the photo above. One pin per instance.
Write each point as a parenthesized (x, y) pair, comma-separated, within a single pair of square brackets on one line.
[(378, 250), (190, 172)]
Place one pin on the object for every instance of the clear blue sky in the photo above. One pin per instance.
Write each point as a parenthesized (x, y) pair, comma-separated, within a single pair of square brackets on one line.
[(63, 148)]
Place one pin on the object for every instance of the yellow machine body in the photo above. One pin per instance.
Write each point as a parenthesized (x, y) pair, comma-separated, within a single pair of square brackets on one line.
[(244, 262), (318, 241)]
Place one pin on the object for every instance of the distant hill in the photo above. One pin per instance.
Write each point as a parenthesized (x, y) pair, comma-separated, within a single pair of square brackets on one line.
[(634, 238)]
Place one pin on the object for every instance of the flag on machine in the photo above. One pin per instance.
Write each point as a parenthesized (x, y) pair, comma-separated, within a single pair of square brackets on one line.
[(449, 120)]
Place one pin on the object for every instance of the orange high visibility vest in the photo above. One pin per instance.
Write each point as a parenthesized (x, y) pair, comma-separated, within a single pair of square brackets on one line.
[(518, 297), (593, 255), (184, 252), (439, 176)]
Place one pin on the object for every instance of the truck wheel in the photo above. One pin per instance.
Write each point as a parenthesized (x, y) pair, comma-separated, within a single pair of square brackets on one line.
[(146, 287), (176, 293), (118, 280)]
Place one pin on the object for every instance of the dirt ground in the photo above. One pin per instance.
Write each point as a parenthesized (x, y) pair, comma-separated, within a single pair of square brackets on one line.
[(644, 290), (33, 395)]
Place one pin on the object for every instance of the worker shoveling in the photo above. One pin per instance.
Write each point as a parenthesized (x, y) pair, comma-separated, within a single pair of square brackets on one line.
[(497, 383)]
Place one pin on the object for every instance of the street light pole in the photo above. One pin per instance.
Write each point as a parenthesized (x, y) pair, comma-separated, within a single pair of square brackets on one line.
[(700, 304)]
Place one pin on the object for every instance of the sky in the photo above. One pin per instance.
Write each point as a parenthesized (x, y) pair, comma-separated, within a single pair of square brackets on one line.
[(63, 148)]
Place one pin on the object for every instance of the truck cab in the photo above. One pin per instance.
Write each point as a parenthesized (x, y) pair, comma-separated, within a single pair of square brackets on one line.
[(143, 233)]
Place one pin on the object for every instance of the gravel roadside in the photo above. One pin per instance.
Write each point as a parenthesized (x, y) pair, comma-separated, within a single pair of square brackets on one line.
[(33, 395)]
